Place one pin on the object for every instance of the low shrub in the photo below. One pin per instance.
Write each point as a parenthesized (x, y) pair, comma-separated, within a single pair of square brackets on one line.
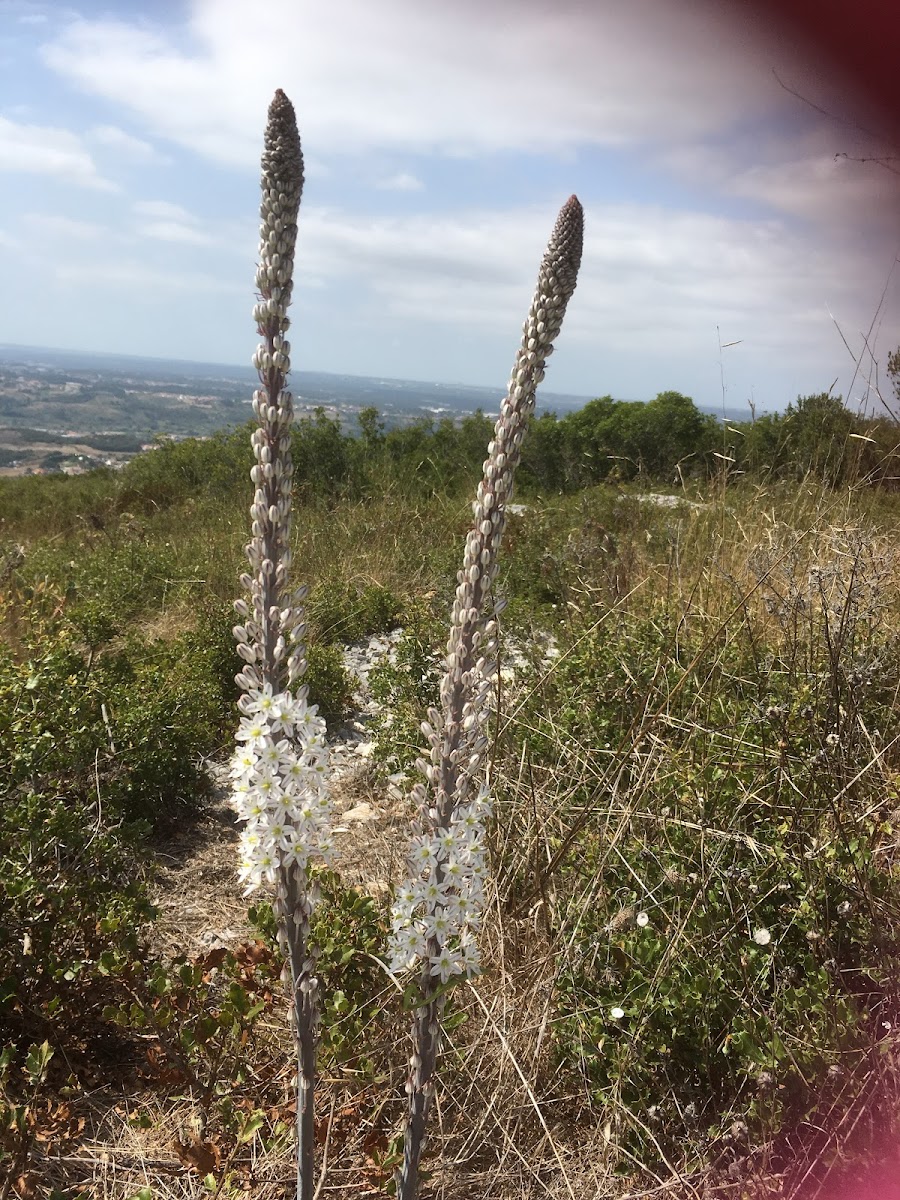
[(330, 686), (342, 611), (407, 687), (724, 851), (74, 910)]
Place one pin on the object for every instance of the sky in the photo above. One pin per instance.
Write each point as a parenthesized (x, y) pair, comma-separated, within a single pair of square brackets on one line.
[(742, 217)]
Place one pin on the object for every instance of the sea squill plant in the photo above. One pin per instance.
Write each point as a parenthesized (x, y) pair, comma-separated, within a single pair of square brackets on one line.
[(279, 768), (437, 912)]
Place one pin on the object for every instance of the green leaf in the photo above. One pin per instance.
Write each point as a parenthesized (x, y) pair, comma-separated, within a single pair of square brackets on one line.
[(37, 1061), (252, 1123)]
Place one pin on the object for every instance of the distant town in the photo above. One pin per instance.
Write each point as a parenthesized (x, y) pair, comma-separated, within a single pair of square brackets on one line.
[(68, 411), (72, 419)]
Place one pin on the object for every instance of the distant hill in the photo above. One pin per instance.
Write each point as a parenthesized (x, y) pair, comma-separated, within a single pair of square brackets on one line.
[(399, 398)]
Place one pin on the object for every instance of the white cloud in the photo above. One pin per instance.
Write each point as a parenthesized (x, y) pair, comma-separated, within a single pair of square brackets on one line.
[(654, 283), (48, 150), (176, 231), (403, 181), (124, 145), (464, 78), (162, 210), (168, 222), (132, 273), (694, 85), (65, 228), (681, 88), (815, 175)]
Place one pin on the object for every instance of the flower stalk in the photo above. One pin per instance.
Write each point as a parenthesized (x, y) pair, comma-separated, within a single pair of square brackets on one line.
[(437, 913), (279, 767)]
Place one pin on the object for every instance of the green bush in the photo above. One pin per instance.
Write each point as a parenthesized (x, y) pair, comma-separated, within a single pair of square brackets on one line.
[(725, 899), (349, 932), (86, 711), (329, 684), (203, 1015), (408, 687), (344, 611), (74, 910), (619, 439), (178, 470)]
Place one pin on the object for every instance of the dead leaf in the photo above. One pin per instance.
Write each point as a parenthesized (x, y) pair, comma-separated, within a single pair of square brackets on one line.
[(253, 953), (214, 958), (375, 1142), (204, 1157)]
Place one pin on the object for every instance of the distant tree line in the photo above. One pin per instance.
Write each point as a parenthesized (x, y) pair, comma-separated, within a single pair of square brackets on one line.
[(667, 441), (670, 439)]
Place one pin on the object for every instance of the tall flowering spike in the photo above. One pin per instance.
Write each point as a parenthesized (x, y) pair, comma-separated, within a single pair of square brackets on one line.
[(280, 764), (437, 911), (280, 658)]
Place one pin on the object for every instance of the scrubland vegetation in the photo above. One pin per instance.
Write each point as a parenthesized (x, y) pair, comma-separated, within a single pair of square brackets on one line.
[(692, 946)]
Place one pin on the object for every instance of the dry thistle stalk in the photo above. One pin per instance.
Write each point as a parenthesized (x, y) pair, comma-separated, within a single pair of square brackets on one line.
[(279, 768), (437, 912)]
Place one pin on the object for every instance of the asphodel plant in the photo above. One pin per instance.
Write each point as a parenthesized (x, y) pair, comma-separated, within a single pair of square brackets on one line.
[(437, 912), (279, 769)]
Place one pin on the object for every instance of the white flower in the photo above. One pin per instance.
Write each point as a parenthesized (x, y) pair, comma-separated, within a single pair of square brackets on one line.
[(465, 820), (276, 832), (843, 908), (424, 852), (445, 891), (279, 789), (429, 892), (454, 871), (411, 942), (448, 840), (445, 964), (274, 754), (617, 1013), (762, 936), (243, 762), (259, 702), (469, 957), (253, 808), (253, 730), (642, 920), (325, 848), (440, 925), (297, 853)]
